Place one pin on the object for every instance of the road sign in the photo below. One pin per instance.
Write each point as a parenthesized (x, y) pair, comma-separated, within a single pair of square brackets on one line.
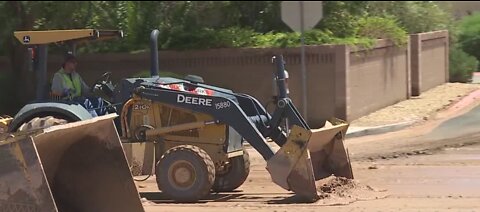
[(301, 16), (292, 13)]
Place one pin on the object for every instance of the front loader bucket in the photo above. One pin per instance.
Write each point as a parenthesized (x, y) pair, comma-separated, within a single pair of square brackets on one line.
[(311, 155), (78, 166), (328, 153)]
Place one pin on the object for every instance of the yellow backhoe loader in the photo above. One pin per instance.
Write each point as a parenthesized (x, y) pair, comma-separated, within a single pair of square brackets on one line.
[(194, 133)]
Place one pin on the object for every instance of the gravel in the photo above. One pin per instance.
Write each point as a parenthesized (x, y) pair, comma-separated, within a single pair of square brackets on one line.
[(418, 108)]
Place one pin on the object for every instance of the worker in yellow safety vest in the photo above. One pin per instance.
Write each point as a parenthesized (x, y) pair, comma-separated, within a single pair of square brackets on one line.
[(67, 83)]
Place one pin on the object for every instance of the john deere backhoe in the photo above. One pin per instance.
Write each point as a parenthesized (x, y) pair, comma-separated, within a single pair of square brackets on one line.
[(196, 133)]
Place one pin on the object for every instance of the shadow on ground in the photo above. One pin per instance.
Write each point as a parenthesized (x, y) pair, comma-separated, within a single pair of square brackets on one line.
[(235, 196)]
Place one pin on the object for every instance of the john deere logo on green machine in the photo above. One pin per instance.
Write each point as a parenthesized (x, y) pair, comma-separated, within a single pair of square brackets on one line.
[(26, 39)]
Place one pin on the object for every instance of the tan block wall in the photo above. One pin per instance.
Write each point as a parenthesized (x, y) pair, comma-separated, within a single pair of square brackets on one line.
[(434, 67), (251, 71), (377, 78), (430, 56)]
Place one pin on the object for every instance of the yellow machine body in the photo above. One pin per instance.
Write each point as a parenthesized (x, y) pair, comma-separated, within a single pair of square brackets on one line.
[(176, 127)]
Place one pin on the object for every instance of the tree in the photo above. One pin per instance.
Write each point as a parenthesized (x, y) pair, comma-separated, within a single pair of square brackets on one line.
[(469, 35), (24, 13), (414, 16), (341, 17)]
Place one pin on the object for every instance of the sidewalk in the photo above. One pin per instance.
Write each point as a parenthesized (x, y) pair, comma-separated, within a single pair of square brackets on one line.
[(354, 131), (417, 109)]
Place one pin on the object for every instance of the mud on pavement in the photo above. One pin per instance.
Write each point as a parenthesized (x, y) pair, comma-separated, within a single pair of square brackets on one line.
[(332, 191), (342, 191)]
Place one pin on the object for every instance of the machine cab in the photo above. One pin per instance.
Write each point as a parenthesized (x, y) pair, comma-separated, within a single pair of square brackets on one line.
[(38, 41)]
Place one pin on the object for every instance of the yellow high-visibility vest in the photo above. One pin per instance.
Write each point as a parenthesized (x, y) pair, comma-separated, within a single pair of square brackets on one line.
[(75, 86)]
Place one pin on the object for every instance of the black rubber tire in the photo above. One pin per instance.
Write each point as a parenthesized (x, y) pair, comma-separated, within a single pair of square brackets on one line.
[(40, 123), (201, 167), (236, 174)]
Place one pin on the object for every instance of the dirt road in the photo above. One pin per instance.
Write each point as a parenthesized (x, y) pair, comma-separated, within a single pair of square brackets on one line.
[(433, 167)]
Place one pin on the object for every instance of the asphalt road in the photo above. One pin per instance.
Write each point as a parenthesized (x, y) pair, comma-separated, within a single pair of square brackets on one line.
[(465, 124)]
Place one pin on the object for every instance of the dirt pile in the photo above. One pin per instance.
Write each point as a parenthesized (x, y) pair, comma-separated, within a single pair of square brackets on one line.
[(342, 191)]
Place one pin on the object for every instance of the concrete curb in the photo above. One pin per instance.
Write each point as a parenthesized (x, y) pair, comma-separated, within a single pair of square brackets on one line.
[(353, 132)]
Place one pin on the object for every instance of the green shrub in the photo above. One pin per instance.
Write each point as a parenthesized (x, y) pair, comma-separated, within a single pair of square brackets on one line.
[(279, 39), (413, 16), (200, 39), (461, 65), (312, 37), (234, 37), (469, 35), (340, 17), (364, 35), (382, 28)]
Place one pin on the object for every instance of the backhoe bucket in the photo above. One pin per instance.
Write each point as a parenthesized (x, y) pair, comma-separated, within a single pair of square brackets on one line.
[(311, 155), (78, 166)]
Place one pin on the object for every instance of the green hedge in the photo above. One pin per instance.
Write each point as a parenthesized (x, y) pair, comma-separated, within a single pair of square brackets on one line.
[(469, 35), (247, 38), (461, 65), (366, 31), (382, 27), (465, 48)]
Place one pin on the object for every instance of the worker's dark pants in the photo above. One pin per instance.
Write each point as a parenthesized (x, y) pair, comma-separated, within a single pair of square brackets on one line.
[(94, 105)]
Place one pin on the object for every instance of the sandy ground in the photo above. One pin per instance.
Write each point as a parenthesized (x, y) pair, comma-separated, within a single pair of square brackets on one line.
[(448, 180), (406, 171)]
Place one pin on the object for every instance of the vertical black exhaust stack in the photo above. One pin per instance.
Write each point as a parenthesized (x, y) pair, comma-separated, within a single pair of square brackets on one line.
[(154, 69), (41, 72), (282, 87)]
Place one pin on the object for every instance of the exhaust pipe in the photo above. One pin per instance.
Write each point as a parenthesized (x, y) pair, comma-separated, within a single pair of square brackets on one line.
[(154, 69), (281, 77), (280, 80)]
